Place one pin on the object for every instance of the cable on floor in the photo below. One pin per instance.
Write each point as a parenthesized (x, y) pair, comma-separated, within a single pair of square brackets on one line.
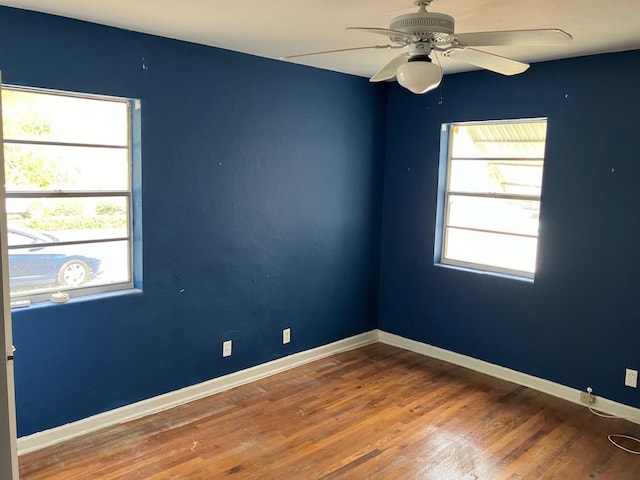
[(614, 436), (628, 437)]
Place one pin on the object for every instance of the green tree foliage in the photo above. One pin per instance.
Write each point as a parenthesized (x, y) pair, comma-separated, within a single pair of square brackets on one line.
[(25, 166), (109, 208), (67, 209)]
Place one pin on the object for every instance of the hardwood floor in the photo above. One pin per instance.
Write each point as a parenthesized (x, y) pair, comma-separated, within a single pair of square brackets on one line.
[(377, 412)]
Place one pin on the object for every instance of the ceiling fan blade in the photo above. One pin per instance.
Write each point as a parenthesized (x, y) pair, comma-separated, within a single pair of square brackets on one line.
[(550, 36), (492, 62), (389, 70), (395, 35), (386, 47)]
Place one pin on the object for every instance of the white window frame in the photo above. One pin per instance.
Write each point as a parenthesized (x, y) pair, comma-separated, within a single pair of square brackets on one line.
[(445, 191), (20, 299)]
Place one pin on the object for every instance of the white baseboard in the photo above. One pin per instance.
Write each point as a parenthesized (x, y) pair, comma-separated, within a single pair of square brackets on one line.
[(36, 441), (157, 404), (567, 393)]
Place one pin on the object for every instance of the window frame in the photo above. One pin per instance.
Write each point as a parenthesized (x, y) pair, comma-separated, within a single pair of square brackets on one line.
[(445, 192), (131, 196)]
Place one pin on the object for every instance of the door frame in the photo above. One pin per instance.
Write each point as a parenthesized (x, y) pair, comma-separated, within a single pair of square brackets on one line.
[(8, 429)]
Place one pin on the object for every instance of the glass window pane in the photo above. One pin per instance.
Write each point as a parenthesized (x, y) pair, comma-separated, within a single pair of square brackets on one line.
[(41, 116), (51, 167), (497, 250), (511, 177), (499, 140), (61, 150), (496, 214), (19, 238), (42, 269), (115, 263), (68, 219)]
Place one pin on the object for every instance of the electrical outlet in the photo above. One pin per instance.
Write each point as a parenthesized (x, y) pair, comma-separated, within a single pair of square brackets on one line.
[(226, 348), (286, 335), (587, 398), (631, 378)]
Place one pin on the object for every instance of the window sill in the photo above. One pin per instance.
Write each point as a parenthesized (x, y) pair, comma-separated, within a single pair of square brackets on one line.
[(80, 299), (485, 272)]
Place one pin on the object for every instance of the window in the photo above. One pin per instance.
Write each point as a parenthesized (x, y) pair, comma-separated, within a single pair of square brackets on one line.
[(68, 175), (490, 198)]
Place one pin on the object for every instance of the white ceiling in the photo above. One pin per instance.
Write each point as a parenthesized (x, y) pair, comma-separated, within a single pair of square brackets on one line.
[(277, 28)]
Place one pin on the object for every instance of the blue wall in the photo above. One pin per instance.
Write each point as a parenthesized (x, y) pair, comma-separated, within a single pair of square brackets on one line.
[(262, 188), (578, 324)]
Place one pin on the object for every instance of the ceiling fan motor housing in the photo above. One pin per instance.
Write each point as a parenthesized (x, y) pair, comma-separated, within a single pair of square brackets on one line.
[(426, 26)]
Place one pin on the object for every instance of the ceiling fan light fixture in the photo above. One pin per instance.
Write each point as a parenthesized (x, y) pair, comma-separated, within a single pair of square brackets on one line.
[(424, 33), (419, 76)]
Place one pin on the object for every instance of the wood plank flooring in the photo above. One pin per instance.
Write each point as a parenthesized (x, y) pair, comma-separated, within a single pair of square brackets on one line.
[(377, 412)]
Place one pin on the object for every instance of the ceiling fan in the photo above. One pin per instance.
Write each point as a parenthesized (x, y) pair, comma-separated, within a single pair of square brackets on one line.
[(425, 33)]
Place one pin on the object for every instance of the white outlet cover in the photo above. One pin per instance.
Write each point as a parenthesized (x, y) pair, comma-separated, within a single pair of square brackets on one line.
[(286, 335), (631, 378), (226, 348)]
